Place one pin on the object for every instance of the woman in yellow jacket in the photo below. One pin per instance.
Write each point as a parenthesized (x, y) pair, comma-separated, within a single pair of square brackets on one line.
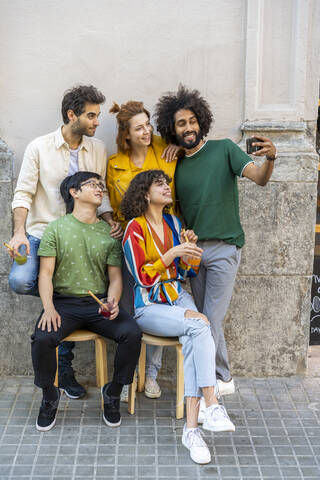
[(138, 150)]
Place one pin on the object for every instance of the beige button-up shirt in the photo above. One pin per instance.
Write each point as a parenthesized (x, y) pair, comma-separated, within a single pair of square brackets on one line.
[(45, 164)]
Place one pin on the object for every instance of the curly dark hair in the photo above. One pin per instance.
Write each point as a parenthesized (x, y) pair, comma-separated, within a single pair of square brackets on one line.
[(134, 203), (186, 99), (76, 98)]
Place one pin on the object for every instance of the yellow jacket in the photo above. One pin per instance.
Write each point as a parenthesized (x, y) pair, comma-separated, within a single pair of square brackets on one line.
[(120, 172)]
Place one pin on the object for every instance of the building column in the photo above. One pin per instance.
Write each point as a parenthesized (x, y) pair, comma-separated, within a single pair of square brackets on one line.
[(267, 327)]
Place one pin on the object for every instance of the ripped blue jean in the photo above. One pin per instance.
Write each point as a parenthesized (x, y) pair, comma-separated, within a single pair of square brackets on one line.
[(194, 334)]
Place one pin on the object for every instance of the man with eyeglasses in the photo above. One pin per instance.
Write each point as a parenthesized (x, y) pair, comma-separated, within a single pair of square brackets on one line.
[(47, 161), (76, 251)]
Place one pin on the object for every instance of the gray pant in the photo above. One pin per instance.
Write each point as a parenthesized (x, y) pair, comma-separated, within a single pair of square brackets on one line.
[(212, 291)]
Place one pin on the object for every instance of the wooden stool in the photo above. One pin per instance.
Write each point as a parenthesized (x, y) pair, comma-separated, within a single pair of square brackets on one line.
[(163, 342), (101, 361)]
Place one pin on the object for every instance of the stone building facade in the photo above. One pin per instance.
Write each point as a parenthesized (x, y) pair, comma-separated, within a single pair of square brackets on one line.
[(256, 61)]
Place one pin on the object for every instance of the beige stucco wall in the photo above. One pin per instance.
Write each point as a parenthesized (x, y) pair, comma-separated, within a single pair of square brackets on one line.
[(130, 50)]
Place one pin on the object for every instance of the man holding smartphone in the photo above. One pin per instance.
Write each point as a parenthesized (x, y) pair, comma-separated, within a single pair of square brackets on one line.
[(207, 191)]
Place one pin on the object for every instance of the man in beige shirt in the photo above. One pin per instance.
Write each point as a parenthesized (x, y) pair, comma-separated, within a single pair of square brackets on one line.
[(37, 200)]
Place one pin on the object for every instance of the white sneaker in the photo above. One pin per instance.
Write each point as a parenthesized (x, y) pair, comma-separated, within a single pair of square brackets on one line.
[(124, 397), (124, 394), (217, 420), (151, 388), (226, 388), (192, 439), (202, 409)]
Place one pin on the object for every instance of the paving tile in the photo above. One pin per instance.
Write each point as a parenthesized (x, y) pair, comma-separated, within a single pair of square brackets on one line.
[(20, 470), (288, 472), (311, 472), (287, 460), (43, 470), (226, 472), (85, 471), (105, 471), (247, 460), (248, 472), (6, 459), (4, 471), (270, 472)]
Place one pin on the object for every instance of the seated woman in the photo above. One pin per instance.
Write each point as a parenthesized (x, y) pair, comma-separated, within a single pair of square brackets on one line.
[(138, 150), (157, 254)]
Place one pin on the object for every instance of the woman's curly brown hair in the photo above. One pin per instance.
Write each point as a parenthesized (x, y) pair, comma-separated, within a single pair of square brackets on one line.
[(185, 99), (134, 203)]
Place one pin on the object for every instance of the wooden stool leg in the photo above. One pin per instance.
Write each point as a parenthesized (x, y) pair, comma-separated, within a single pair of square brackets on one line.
[(56, 380), (101, 362), (142, 367), (132, 395), (180, 383)]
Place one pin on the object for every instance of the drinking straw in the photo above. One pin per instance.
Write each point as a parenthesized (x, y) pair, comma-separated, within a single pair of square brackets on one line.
[(184, 235), (12, 249), (96, 299)]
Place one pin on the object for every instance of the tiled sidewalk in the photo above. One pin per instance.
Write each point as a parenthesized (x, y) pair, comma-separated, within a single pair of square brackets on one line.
[(277, 436)]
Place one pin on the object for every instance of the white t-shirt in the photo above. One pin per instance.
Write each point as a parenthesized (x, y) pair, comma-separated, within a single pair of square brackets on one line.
[(74, 163)]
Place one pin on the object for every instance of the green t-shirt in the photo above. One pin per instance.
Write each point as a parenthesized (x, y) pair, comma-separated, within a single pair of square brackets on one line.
[(83, 251), (206, 186)]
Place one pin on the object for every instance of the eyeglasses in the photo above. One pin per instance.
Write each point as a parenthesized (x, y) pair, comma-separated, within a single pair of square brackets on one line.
[(94, 185)]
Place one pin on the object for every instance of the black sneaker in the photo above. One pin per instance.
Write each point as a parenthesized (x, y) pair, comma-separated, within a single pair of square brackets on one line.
[(69, 385), (111, 408), (47, 414)]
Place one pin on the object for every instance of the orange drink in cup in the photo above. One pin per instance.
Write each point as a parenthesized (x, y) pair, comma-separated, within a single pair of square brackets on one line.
[(194, 262)]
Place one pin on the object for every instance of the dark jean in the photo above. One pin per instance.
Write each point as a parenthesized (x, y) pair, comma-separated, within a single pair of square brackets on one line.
[(82, 312), (23, 279)]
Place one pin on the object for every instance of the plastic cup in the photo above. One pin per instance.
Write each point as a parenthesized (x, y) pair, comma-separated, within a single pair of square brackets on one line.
[(106, 310), (194, 263), (20, 259)]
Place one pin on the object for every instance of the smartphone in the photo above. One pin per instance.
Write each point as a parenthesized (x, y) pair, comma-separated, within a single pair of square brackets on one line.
[(252, 148)]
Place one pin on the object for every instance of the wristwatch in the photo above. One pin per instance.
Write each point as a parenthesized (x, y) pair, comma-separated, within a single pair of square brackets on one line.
[(271, 159)]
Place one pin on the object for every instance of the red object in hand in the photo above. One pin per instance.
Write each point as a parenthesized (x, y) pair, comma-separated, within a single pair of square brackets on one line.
[(106, 310)]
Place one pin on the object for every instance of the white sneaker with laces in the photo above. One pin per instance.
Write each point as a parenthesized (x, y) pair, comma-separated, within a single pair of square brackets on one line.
[(217, 420), (192, 439), (202, 409), (151, 388), (124, 394), (226, 388)]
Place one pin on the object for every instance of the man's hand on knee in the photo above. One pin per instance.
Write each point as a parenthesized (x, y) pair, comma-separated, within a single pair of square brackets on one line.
[(50, 319)]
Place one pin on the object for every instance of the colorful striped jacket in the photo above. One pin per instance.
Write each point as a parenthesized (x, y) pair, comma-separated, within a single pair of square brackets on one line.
[(154, 282)]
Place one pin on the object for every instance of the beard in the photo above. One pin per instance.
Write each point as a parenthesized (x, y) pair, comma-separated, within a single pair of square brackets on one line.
[(79, 129), (189, 145)]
